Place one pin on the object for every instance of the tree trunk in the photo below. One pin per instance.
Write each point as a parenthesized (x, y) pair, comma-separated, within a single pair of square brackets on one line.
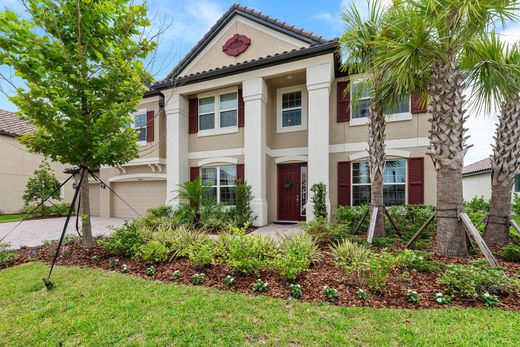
[(505, 163), (447, 151), (376, 153), (86, 228)]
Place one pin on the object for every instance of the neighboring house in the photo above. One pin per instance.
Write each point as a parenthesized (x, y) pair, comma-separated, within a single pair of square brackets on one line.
[(18, 164), (262, 100), (476, 180)]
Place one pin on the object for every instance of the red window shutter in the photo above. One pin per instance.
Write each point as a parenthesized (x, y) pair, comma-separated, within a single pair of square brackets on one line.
[(240, 173), (193, 116), (416, 181), (240, 109), (343, 103), (194, 173), (149, 126), (416, 105), (344, 183)]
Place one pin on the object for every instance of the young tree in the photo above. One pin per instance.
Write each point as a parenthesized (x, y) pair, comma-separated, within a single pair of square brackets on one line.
[(424, 43), (40, 186), (81, 61), (493, 72), (357, 45)]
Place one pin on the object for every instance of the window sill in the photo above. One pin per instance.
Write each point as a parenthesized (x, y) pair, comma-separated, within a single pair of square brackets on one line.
[(390, 118), (220, 131), (141, 143), (291, 129)]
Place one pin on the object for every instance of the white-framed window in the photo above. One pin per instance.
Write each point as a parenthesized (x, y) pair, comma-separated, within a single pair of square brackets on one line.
[(517, 183), (395, 179), (292, 109), (218, 112), (360, 110), (222, 181), (138, 123)]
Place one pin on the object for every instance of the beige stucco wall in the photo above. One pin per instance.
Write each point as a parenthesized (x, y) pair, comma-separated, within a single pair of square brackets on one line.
[(263, 43), (17, 166), (477, 186)]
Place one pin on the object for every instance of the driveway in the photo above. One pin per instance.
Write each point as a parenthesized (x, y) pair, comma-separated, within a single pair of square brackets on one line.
[(34, 232)]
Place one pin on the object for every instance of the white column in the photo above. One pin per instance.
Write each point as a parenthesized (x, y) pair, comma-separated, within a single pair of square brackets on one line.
[(255, 99), (319, 78), (176, 146)]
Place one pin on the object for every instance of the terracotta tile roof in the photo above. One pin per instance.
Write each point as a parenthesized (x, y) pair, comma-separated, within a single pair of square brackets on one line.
[(253, 14), (480, 166), (12, 125)]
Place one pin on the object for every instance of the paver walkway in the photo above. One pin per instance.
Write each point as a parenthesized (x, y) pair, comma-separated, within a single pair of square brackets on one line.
[(277, 231), (33, 232)]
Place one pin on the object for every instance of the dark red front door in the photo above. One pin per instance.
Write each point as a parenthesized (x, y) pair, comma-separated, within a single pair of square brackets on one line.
[(289, 192)]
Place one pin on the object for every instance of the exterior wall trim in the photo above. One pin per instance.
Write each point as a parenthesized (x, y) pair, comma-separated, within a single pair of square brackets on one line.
[(216, 153), (290, 158), (389, 153), (135, 177), (216, 160)]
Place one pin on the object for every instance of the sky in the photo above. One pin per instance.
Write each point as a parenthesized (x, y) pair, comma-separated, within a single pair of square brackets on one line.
[(185, 22)]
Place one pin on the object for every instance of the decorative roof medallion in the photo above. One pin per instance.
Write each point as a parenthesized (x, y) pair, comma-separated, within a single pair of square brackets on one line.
[(236, 45)]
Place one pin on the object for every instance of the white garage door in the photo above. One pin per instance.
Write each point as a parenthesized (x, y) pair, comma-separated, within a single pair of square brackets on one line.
[(94, 199), (140, 195)]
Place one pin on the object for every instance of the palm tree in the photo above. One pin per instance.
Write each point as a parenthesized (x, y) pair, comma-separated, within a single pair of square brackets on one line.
[(424, 43), (357, 46), (493, 71)]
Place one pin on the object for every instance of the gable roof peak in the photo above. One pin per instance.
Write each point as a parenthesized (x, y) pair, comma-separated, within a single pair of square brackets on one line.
[(252, 14)]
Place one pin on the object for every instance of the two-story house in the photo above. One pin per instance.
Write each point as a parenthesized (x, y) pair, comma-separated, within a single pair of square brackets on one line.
[(261, 100)]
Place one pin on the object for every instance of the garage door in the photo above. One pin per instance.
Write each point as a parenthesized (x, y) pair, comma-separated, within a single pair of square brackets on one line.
[(140, 195), (94, 199)]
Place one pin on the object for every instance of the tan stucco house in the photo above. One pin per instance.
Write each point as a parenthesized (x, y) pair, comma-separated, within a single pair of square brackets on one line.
[(476, 180), (262, 100), (18, 164)]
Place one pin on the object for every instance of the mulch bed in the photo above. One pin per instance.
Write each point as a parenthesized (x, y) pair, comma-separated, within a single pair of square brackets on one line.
[(312, 283)]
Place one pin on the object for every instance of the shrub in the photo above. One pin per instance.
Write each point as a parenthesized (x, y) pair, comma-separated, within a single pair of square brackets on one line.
[(94, 259), (261, 286), (229, 280), (160, 211), (68, 239), (202, 253), (197, 279), (471, 281), (318, 199), (383, 242), (352, 216), (176, 275), (153, 252), (124, 269), (7, 255), (477, 204), (379, 267), (192, 194), (150, 271), (330, 293), (515, 206), (412, 296), (125, 240), (214, 225), (318, 228), (489, 299), (417, 261), (40, 186), (183, 238), (296, 255), (511, 252), (296, 290), (338, 232), (442, 299), (242, 213), (351, 257), (113, 263), (409, 218), (250, 254), (362, 294)]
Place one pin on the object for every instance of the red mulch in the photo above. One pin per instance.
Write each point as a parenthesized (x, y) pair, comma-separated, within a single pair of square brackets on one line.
[(312, 283)]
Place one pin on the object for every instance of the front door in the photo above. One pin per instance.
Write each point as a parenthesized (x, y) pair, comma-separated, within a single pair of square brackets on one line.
[(292, 191)]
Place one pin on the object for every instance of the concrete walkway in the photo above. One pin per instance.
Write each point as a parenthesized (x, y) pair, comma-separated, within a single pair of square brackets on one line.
[(278, 231), (33, 232)]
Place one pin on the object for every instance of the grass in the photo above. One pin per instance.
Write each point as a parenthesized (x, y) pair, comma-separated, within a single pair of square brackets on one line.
[(94, 307), (6, 218)]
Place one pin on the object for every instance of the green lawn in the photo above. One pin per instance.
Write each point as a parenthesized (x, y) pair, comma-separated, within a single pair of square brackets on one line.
[(10, 218), (94, 307)]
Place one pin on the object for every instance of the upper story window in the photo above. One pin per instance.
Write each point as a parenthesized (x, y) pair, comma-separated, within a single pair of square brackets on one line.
[(360, 110), (394, 190), (517, 183), (138, 123), (218, 112), (292, 109), (222, 181)]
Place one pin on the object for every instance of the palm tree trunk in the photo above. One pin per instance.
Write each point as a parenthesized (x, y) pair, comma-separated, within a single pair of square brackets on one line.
[(376, 154), (86, 228), (505, 164), (447, 151)]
